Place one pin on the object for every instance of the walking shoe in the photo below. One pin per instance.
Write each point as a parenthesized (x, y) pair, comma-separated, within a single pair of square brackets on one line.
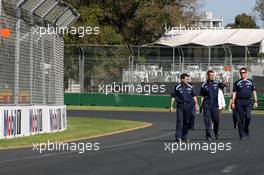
[(209, 139), (248, 136), (185, 140), (242, 138), (216, 137), (191, 127), (178, 139)]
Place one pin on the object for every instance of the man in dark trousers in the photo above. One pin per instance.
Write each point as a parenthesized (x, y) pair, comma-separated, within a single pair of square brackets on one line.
[(209, 101), (242, 103), (186, 100)]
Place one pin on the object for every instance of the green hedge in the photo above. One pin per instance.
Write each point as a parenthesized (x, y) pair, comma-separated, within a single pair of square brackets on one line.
[(96, 99), (157, 101)]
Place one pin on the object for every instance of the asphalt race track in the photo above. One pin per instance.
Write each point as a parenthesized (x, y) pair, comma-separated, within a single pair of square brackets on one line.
[(142, 152)]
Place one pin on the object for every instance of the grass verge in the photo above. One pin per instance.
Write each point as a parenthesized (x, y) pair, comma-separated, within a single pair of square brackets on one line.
[(78, 129)]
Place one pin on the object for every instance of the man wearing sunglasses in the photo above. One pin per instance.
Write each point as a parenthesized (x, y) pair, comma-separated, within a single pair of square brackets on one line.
[(241, 102)]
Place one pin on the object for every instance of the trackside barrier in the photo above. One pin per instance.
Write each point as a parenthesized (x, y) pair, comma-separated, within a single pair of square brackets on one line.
[(261, 103), (96, 99), (157, 101), (18, 121)]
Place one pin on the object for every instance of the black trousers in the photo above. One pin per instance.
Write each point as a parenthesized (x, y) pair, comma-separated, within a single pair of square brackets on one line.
[(183, 114), (243, 108), (211, 113)]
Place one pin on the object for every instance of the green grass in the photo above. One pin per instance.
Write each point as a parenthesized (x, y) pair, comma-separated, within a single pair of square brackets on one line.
[(78, 128), (140, 109)]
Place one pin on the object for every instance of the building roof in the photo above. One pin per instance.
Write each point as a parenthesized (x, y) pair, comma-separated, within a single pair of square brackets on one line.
[(240, 37)]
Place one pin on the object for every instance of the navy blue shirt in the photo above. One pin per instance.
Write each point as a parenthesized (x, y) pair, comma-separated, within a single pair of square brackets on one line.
[(209, 90), (244, 88), (183, 93)]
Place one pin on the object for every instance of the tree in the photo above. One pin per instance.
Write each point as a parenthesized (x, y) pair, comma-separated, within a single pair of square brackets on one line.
[(243, 21), (260, 8), (130, 22)]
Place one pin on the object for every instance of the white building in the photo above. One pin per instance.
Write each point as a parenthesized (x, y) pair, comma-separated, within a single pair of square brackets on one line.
[(208, 21)]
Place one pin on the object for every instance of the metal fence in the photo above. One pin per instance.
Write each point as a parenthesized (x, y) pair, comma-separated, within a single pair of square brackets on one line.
[(90, 66), (31, 66)]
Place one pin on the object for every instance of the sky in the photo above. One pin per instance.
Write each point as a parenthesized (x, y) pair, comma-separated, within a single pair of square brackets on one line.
[(228, 9)]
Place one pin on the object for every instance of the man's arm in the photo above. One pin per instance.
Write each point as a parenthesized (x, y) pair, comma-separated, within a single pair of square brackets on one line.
[(196, 103), (230, 102), (195, 100), (201, 107), (202, 99), (171, 104), (173, 96), (234, 94), (222, 84), (233, 100), (255, 95), (255, 99), (194, 96)]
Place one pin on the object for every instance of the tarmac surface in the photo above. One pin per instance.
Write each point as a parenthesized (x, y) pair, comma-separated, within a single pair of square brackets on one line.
[(149, 151)]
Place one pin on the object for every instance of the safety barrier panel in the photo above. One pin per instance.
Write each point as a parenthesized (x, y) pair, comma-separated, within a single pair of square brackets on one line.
[(97, 99), (18, 121), (261, 103), (157, 101)]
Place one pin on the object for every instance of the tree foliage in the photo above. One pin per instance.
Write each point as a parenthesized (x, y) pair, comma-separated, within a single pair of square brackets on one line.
[(130, 22), (243, 21), (260, 8)]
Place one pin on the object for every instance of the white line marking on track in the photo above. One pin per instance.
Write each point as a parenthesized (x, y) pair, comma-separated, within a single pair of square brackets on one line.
[(64, 153), (138, 141), (228, 169)]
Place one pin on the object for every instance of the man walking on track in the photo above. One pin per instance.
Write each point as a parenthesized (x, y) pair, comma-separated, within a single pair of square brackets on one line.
[(242, 103), (186, 100), (209, 101)]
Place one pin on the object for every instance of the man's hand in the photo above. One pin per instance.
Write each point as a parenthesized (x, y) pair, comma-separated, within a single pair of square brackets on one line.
[(171, 109), (225, 83), (197, 109), (255, 105), (233, 106)]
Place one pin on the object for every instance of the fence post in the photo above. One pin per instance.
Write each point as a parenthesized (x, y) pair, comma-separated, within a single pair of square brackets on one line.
[(17, 52), (81, 69)]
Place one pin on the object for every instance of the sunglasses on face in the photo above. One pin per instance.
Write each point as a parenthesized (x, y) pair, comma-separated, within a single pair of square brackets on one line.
[(243, 72)]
